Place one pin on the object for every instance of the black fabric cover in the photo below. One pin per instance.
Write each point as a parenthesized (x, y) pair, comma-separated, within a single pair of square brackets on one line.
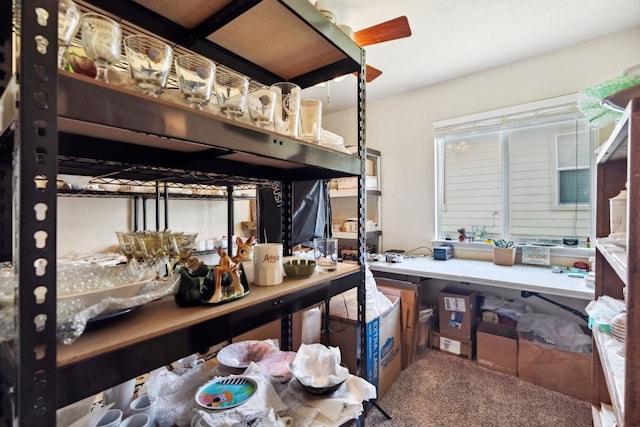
[(311, 212)]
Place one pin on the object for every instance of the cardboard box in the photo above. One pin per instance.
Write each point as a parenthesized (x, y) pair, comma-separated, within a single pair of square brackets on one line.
[(371, 183), (409, 306), (455, 346), (497, 347), (559, 370), (457, 309), (443, 252), (504, 256), (349, 255), (383, 362)]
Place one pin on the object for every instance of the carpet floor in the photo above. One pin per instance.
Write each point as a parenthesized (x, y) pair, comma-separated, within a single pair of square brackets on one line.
[(444, 390)]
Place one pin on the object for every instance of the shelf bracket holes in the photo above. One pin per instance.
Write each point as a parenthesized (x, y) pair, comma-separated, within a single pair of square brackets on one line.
[(40, 238), (40, 322), (41, 44), (41, 211), (42, 16), (41, 294), (40, 406), (41, 130), (40, 400), (40, 182), (40, 266)]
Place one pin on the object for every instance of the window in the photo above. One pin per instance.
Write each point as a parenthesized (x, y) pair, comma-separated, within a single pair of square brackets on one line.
[(523, 174), (573, 168)]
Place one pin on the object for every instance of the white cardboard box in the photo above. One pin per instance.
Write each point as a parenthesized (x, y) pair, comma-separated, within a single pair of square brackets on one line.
[(383, 340), (352, 183)]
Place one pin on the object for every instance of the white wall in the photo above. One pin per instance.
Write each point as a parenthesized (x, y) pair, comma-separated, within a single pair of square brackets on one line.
[(401, 127), (89, 224)]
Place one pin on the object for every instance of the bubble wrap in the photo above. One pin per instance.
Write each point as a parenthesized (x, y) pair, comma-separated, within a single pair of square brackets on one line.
[(73, 316), (590, 99)]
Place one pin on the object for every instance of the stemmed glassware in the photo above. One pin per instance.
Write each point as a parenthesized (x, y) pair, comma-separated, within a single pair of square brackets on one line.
[(68, 23), (157, 248), (182, 246), (127, 246), (149, 63), (101, 39)]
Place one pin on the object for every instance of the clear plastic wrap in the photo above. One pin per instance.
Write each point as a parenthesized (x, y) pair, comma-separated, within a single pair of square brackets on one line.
[(590, 99), (602, 311), (554, 331), (72, 323), (86, 293)]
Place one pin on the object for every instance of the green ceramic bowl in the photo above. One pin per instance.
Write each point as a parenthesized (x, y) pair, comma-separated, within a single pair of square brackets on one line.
[(299, 268)]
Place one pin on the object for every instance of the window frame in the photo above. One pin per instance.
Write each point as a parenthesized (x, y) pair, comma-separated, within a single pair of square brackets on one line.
[(495, 120), (556, 177)]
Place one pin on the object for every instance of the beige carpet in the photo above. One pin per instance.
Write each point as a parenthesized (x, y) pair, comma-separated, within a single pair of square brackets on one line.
[(448, 391)]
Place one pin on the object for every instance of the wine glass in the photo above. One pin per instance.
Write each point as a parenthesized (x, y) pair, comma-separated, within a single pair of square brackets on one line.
[(150, 249), (68, 23), (149, 63), (182, 246), (101, 38), (127, 245)]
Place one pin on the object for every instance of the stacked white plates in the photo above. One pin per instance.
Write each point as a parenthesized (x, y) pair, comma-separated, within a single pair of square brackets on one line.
[(619, 330), (619, 327)]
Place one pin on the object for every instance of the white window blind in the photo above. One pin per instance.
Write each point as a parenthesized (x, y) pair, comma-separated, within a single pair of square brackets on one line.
[(522, 173)]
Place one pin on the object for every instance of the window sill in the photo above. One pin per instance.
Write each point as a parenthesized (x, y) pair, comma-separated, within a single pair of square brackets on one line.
[(556, 251)]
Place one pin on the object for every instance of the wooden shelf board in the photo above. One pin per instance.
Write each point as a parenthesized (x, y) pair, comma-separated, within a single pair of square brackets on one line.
[(160, 317), (597, 417), (614, 372), (617, 261), (352, 192), (345, 235)]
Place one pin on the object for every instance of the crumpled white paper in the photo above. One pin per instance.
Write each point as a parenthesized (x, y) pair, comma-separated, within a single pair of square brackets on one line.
[(343, 405), (317, 365)]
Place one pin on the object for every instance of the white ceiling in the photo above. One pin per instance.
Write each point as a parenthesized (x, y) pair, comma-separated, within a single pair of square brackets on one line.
[(453, 38)]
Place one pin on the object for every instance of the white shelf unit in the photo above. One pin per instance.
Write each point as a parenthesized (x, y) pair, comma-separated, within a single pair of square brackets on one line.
[(344, 206)]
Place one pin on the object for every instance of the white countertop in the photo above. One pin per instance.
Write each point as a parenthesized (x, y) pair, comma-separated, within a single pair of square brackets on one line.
[(522, 277)]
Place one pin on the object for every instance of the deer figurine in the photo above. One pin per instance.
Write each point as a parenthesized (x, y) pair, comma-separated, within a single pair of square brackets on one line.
[(244, 251)]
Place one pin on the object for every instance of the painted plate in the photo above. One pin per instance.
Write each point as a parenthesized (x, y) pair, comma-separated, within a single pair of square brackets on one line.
[(240, 354), (226, 393)]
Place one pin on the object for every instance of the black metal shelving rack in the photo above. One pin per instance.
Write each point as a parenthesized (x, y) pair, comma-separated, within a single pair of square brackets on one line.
[(54, 122)]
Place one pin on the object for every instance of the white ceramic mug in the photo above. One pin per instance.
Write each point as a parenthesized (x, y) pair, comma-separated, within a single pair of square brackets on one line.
[(143, 405), (120, 395), (137, 420), (111, 418), (267, 264)]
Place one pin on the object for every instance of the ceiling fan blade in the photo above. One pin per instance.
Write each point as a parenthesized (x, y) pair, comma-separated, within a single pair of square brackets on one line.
[(372, 73), (393, 29)]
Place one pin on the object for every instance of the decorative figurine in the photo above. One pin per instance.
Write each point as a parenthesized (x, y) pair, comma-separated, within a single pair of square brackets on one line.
[(461, 235), (202, 285), (244, 251)]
